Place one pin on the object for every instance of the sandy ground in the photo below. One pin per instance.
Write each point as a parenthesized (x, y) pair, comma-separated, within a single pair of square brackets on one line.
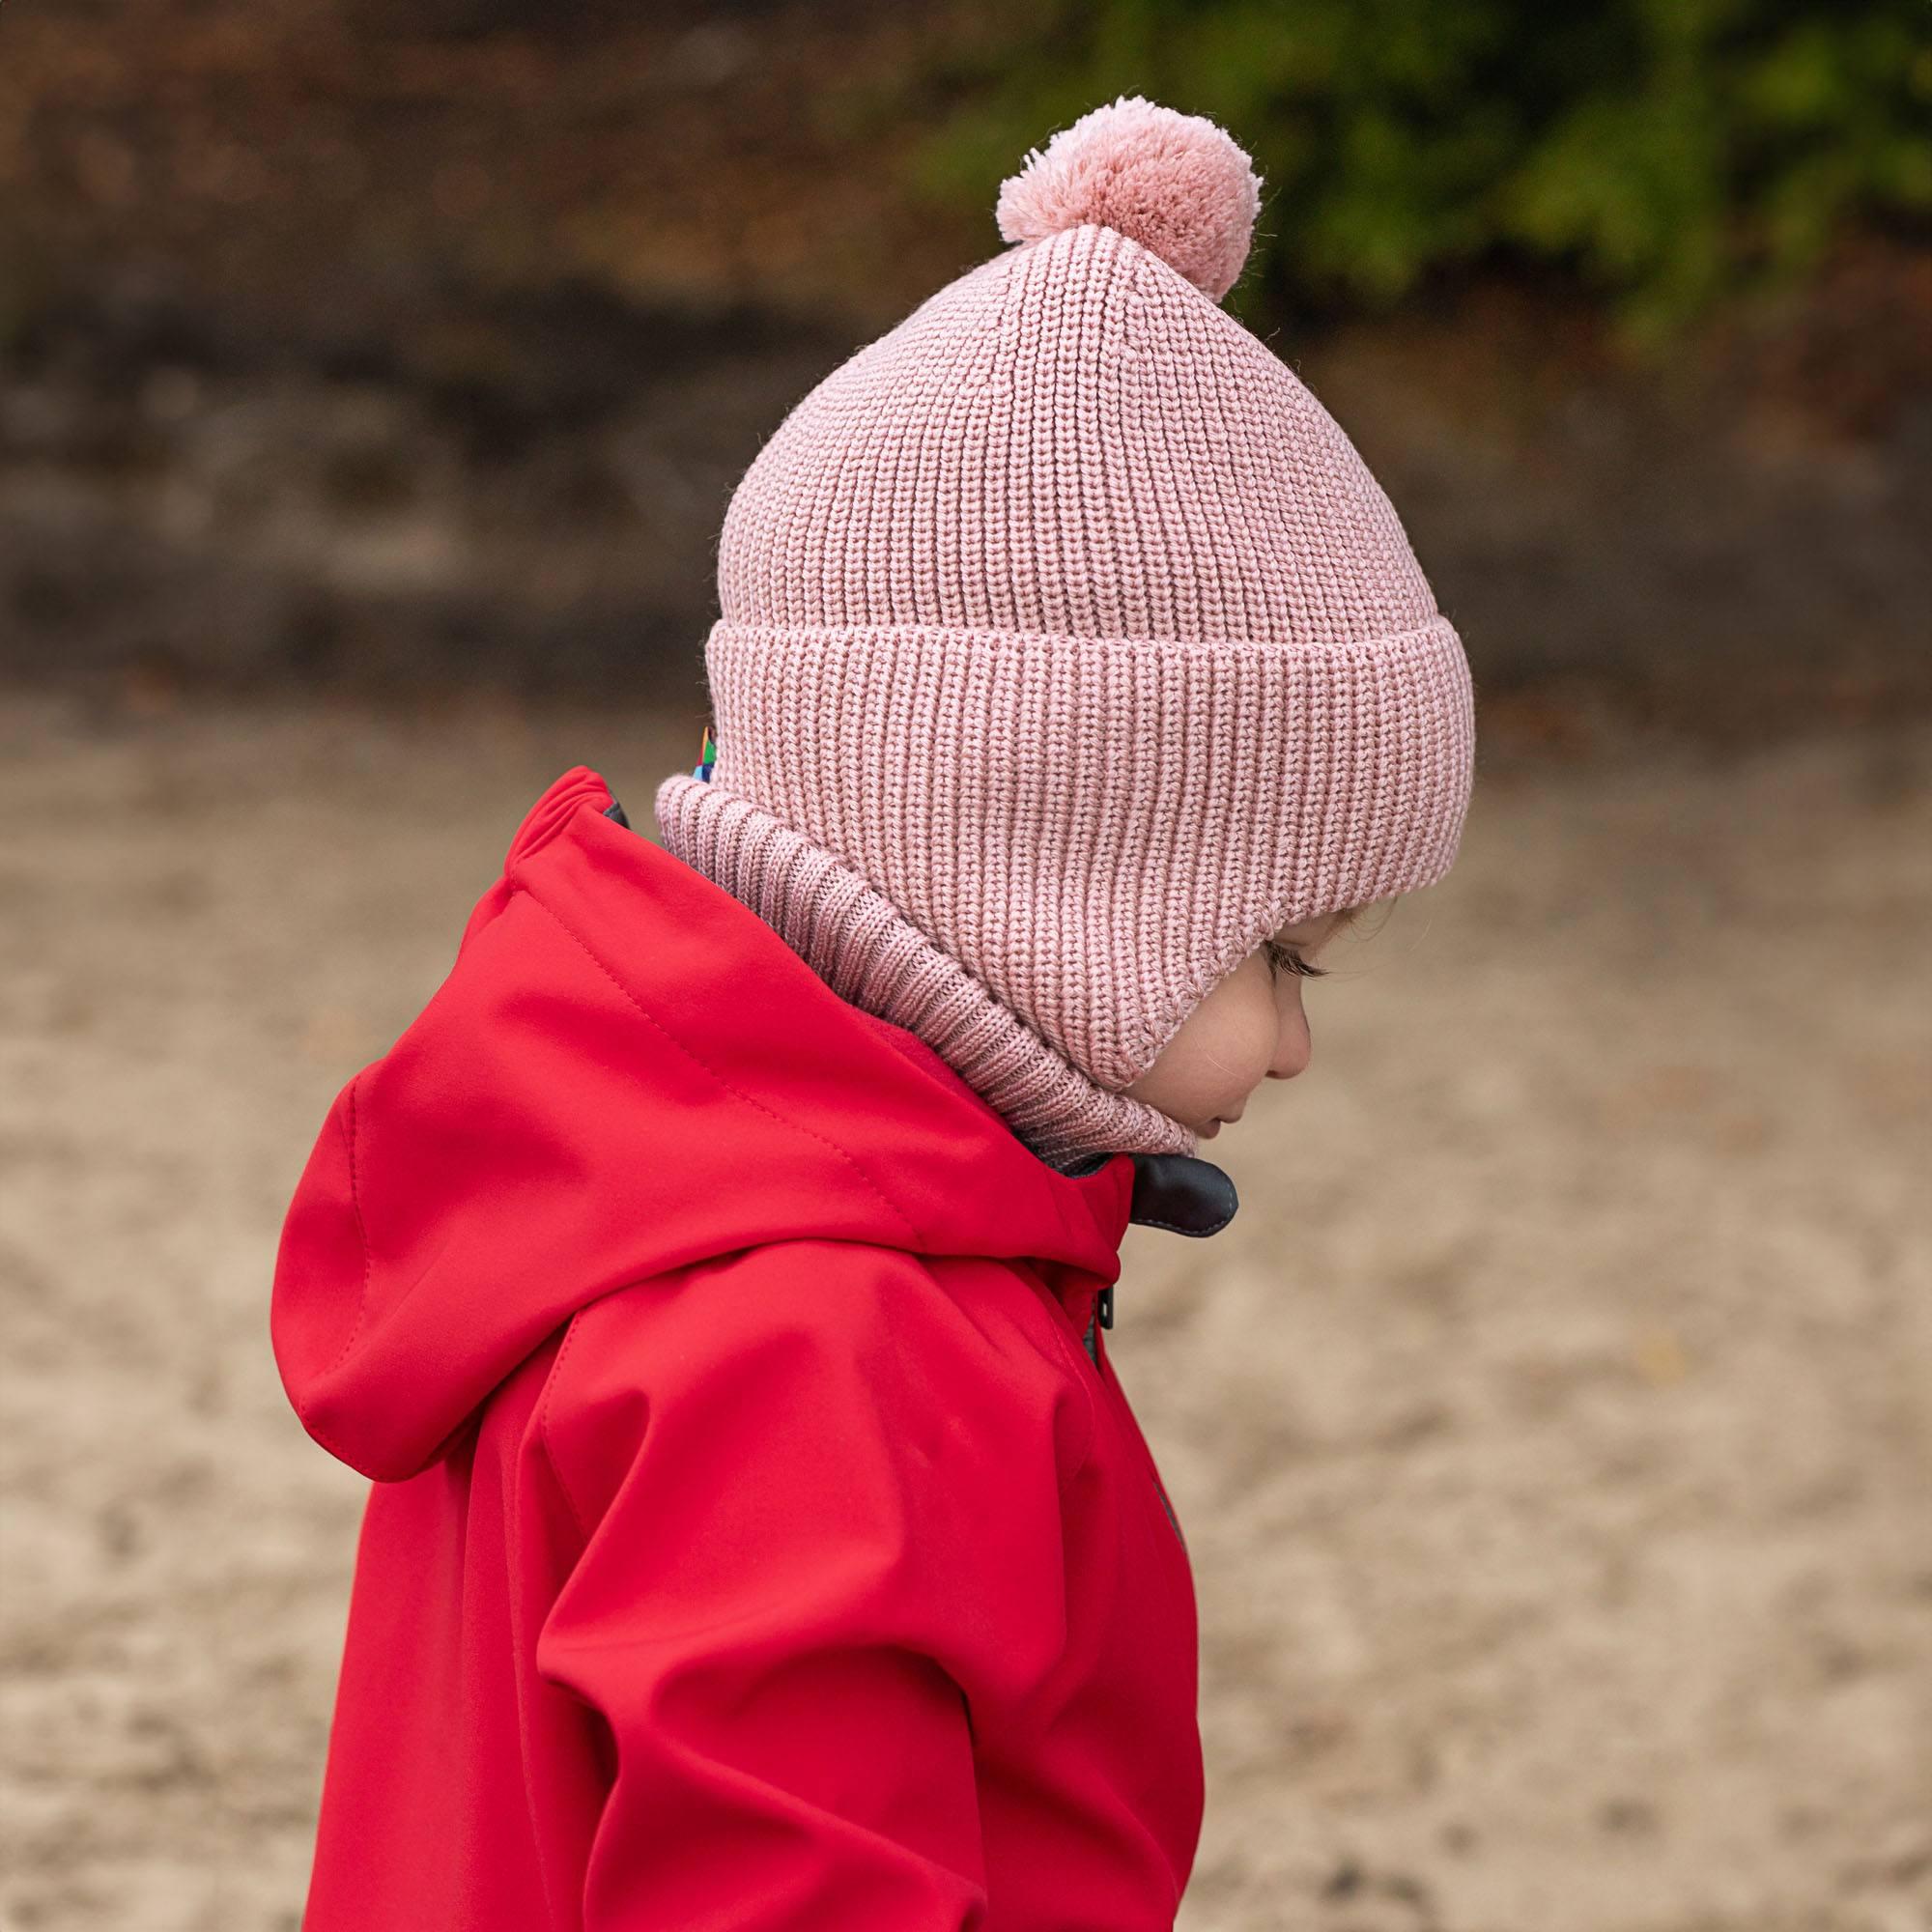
[(1551, 1427)]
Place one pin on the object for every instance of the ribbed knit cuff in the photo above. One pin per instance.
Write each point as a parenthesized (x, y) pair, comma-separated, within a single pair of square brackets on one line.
[(870, 954)]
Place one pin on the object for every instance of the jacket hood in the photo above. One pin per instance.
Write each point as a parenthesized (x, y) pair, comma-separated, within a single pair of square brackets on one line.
[(626, 1071)]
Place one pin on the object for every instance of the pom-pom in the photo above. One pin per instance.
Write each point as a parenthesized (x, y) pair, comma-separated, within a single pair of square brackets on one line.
[(1174, 182)]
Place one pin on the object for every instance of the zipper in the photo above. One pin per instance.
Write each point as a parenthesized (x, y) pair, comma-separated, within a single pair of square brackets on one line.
[(1101, 1312), (1102, 1316)]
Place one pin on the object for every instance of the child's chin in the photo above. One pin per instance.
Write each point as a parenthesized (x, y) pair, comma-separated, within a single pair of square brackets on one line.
[(1208, 1132)]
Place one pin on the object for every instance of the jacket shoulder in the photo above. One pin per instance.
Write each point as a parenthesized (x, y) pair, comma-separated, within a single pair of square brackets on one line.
[(955, 1374)]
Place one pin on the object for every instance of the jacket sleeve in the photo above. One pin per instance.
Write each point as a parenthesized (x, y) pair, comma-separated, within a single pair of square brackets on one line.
[(820, 1486)]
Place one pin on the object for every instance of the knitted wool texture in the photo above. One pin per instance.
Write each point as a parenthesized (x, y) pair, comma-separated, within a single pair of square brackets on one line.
[(1067, 649)]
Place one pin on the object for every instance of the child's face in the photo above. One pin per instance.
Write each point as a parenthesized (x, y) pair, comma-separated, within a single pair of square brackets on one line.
[(1249, 1028)]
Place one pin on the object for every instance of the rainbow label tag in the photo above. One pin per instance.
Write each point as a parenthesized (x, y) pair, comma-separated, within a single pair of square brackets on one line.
[(707, 755)]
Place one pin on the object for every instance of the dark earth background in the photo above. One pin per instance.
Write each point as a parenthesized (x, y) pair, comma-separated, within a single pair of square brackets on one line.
[(1551, 1427), (341, 350)]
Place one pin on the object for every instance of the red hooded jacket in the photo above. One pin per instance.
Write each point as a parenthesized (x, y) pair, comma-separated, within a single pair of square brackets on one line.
[(760, 1536)]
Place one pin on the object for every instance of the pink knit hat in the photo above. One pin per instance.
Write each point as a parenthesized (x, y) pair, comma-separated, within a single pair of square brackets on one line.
[(1068, 649)]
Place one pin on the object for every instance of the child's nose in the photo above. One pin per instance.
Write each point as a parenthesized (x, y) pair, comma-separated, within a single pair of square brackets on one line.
[(1295, 1046)]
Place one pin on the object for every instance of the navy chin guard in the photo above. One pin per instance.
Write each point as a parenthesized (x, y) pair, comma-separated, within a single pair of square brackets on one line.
[(1182, 1193)]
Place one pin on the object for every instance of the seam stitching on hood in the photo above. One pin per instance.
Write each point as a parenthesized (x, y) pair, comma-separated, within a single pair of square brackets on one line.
[(845, 1155), (347, 1127), (551, 1457)]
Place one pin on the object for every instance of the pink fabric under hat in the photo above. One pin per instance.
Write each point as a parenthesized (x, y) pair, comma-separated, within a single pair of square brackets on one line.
[(1068, 649)]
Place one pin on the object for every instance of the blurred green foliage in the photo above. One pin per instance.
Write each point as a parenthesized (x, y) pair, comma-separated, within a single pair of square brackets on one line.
[(1666, 152)]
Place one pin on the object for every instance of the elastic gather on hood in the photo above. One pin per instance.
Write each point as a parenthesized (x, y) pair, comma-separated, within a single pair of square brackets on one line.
[(857, 941)]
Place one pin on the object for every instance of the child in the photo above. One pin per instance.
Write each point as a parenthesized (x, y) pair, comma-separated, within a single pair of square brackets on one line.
[(713, 1278)]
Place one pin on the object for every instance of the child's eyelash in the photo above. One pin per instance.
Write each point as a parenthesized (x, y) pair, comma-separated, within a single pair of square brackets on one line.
[(1286, 960)]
